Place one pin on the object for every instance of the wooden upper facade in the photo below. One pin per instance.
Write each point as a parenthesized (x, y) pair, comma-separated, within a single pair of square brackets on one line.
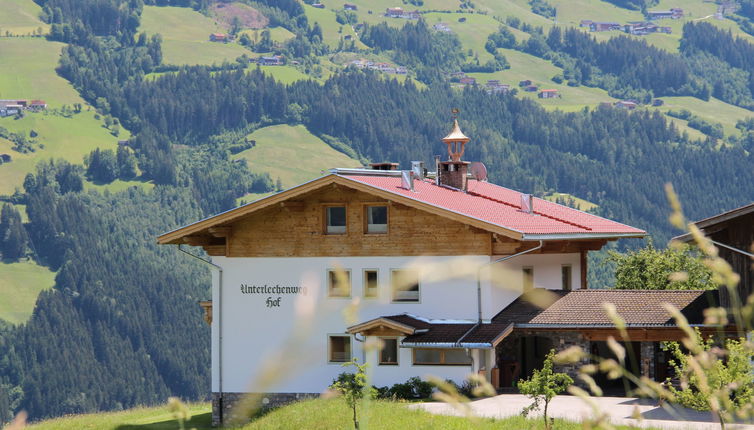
[(292, 224)]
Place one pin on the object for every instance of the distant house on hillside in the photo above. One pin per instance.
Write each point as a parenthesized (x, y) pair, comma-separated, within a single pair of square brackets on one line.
[(585, 23), (218, 37), (493, 86), (349, 6), (673, 13), (467, 80), (398, 12), (37, 105), (530, 88), (318, 5), (626, 104), (274, 60), (443, 27), (643, 28), (604, 26), (548, 94)]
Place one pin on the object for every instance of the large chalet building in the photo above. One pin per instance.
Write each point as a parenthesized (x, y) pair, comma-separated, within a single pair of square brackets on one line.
[(454, 275)]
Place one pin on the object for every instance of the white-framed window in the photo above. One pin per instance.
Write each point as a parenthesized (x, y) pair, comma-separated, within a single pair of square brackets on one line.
[(376, 219), (528, 277), (389, 352), (404, 285), (338, 283), (441, 357), (335, 219), (371, 283), (565, 272), (339, 348)]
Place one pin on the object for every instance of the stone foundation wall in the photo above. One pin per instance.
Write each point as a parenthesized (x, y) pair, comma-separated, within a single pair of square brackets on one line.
[(223, 404)]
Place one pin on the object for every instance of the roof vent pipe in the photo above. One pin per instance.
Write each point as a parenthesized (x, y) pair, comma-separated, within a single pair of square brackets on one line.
[(418, 168), (407, 180), (527, 203), (437, 170)]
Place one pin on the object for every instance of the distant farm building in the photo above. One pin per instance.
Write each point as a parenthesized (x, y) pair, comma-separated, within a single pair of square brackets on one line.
[(274, 60), (604, 26), (468, 80), (37, 105), (673, 13), (318, 5), (443, 27), (218, 37), (626, 104), (548, 94), (493, 86), (349, 6), (398, 12), (530, 88), (642, 28), (585, 23)]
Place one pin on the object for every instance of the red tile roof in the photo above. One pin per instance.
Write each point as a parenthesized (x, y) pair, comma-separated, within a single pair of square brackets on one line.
[(502, 206)]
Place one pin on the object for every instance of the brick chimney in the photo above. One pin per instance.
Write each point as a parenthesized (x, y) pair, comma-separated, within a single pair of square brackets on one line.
[(453, 172)]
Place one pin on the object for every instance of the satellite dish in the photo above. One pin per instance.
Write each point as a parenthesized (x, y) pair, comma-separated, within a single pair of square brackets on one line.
[(478, 171)]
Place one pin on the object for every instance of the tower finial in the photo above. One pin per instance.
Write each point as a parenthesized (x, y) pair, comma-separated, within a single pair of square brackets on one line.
[(455, 140)]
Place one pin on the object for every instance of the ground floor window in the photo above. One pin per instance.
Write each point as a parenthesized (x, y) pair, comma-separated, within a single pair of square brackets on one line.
[(389, 353), (339, 350), (441, 357)]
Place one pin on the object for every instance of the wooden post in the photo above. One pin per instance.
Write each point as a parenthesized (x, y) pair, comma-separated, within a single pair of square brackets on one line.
[(584, 269)]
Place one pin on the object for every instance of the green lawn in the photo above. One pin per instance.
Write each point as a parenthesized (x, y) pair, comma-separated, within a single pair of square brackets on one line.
[(330, 27), (284, 74), (21, 17), (292, 154), (714, 110), (185, 33), (318, 414), (579, 203), (518, 8), (155, 418), (472, 33), (524, 66), (277, 34), (67, 138), (118, 185), (20, 284), (28, 76)]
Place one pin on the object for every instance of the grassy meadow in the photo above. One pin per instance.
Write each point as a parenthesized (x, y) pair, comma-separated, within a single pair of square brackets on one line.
[(27, 76), (21, 18), (185, 34), (318, 414), (67, 138), (332, 31), (292, 154), (20, 284)]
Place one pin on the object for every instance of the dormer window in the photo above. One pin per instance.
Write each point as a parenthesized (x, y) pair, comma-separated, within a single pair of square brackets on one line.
[(376, 218), (335, 219)]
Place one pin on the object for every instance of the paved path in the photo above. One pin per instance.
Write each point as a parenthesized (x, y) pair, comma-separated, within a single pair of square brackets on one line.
[(572, 408)]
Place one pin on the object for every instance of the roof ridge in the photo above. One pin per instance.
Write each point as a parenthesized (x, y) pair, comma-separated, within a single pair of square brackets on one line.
[(474, 193)]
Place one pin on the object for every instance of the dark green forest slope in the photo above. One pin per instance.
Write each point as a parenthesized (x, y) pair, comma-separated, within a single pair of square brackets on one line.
[(121, 327)]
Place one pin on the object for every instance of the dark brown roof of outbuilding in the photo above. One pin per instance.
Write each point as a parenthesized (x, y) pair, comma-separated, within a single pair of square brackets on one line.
[(636, 307)]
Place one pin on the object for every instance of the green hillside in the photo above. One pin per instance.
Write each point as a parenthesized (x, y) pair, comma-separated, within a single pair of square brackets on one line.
[(21, 18), (20, 284), (332, 31), (185, 33), (155, 418), (292, 154), (26, 76), (67, 138)]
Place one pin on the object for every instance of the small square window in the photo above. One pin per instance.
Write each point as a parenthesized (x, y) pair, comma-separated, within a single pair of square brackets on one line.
[(376, 219), (405, 286), (340, 349), (565, 271), (336, 220), (339, 283), (389, 353), (371, 286), (528, 274)]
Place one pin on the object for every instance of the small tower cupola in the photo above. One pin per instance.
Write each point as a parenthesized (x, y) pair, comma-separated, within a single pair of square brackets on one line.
[(456, 142), (452, 173)]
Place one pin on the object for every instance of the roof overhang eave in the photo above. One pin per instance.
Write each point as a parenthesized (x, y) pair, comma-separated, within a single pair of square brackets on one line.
[(447, 345), (582, 236)]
